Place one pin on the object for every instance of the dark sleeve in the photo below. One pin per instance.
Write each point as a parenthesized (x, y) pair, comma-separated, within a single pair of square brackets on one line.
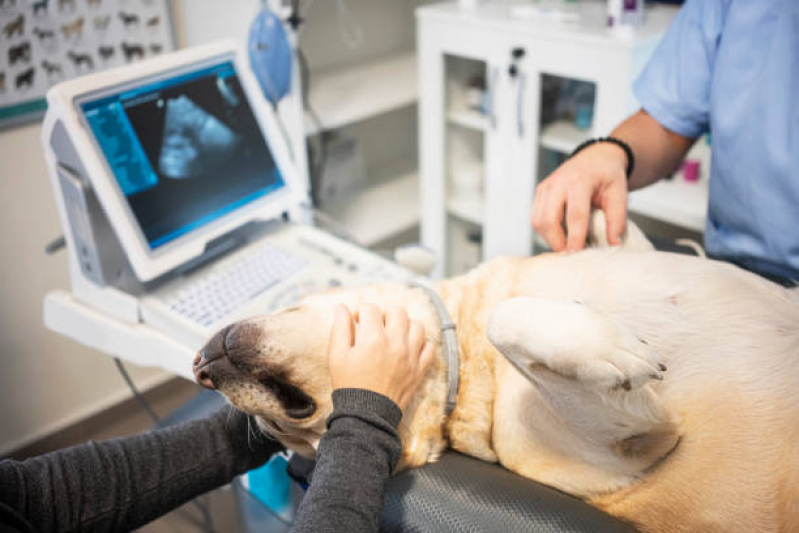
[(121, 484), (355, 458)]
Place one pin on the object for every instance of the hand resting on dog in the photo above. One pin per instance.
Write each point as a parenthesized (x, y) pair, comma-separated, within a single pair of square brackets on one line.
[(387, 353)]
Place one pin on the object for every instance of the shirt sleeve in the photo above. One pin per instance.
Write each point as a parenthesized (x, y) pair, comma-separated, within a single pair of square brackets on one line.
[(355, 459), (122, 484), (674, 87)]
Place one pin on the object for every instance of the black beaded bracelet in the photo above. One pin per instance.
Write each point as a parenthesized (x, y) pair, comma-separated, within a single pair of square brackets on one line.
[(613, 140)]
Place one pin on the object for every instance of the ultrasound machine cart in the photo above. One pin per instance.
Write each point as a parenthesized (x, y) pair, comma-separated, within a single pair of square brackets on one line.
[(111, 267)]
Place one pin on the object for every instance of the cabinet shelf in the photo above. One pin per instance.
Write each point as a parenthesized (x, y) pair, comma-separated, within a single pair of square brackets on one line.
[(382, 210), (346, 95), (466, 207), (563, 136), (468, 119)]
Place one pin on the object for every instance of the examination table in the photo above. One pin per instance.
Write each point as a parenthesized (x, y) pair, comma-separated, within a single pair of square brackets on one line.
[(457, 494)]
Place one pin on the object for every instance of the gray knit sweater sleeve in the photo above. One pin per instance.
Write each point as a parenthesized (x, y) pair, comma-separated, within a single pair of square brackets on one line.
[(121, 484), (356, 457)]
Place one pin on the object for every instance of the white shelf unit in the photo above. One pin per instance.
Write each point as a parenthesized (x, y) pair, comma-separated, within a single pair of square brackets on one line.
[(516, 62), (341, 96), (386, 209)]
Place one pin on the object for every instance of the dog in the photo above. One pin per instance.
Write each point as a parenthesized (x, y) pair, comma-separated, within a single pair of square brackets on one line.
[(660, 388), (25, 78), (40, 5), (132, 51), (43, 35), (81, 59), (15, 27), (106, 52), (152, 22), (20, 52), (52, 69), (74, 28), (101, 23), (129, 19)]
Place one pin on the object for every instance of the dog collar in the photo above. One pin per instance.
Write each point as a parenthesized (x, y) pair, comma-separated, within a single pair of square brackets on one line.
[(449, 342)]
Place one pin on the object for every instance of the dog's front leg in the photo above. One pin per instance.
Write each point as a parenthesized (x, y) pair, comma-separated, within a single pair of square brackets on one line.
[(574, 341), (594, 373)]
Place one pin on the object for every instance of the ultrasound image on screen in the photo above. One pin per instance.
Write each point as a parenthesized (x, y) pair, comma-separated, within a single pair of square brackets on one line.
[(185, 151)]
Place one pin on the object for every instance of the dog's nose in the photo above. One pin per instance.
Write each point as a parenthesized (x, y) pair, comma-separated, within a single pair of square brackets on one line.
[(211, 353)]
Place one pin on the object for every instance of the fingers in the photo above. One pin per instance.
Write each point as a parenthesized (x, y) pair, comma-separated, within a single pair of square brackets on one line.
[(552, 210), (416, 339), (578, 210), (370, 318), (426, 358), (614, 205), (341, 335), (396, 322)]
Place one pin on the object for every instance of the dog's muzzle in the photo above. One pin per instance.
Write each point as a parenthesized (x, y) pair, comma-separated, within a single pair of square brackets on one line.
[(227, 358), (211, 355)]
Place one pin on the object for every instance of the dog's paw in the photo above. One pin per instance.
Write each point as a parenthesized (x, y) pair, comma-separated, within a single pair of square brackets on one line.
[(619, 361), (574, 341)]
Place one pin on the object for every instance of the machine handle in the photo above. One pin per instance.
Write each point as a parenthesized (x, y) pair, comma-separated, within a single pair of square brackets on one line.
[(55, 245), (520, 83)]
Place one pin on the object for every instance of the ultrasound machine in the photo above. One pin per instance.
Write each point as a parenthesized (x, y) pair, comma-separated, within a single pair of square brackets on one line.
[(182, 208)]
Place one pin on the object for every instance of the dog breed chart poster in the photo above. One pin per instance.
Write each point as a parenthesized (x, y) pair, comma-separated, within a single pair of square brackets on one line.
[(43, 42)]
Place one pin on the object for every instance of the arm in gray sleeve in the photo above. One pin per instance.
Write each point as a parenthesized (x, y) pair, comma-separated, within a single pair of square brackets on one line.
[(355, 459), (121, 484)]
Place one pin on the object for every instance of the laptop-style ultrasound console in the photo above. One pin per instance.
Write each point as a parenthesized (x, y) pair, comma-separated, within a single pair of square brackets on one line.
[(181, 205)]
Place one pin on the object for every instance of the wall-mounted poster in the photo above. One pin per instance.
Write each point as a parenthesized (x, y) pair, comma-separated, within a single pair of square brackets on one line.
[(43, 42)]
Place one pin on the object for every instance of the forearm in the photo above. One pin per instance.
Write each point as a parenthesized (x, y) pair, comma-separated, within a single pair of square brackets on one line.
[(121, 484), (657, 150), (355, 460)]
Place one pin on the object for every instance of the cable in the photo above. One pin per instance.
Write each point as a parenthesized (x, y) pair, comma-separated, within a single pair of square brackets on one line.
[(136, 394), (321, 156), (351, 31), (207, 523), (284, 131)]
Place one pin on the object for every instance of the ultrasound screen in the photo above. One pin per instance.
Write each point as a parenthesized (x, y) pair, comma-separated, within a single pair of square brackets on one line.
[(184, 150)]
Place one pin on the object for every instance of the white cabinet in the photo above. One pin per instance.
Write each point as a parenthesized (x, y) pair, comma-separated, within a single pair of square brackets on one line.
[(489, 125)]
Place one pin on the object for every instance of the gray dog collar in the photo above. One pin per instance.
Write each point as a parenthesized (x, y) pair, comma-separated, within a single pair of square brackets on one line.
[(449, 342)]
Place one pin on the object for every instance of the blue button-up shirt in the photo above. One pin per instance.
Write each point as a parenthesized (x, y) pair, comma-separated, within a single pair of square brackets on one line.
[(732, 67)]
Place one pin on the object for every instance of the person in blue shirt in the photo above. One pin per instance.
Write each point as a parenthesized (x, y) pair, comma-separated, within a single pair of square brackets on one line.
[(728, 67)]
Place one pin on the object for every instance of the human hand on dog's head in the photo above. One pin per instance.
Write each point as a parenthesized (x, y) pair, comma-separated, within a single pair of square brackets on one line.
[(383, 352)]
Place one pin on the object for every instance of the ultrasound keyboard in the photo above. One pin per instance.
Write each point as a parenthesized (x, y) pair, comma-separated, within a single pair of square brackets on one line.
[(225, 288)]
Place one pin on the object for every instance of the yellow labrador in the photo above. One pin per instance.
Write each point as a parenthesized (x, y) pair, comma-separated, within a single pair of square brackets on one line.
[(661, 388)]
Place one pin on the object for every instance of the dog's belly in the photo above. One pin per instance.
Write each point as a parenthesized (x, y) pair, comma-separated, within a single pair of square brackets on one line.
[(731, 343)]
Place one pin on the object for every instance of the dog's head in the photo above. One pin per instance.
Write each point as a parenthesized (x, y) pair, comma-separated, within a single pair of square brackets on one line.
[(276, 368)]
